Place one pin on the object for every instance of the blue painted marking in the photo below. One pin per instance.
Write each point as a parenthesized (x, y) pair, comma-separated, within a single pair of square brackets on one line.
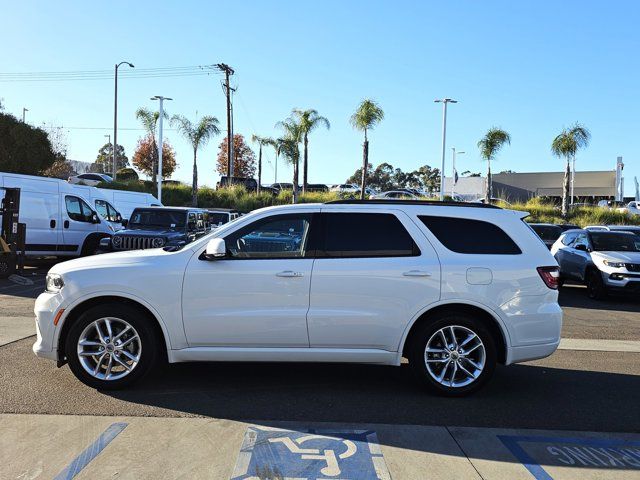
[(310, 454), (512, 442), (91, 452)]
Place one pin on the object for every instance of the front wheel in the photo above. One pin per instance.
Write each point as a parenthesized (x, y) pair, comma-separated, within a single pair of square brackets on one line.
[(111, 346), (595, 286), (453, 354)]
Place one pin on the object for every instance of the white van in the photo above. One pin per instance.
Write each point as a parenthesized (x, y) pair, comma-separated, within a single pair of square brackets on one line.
[(61, 218), (101, 203), (125, 201)]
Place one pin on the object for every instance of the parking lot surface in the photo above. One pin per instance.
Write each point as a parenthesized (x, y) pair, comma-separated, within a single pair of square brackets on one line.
[(572, 414)]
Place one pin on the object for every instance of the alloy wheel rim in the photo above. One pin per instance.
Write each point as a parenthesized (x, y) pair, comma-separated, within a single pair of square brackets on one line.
[(109, 348), (455, 356)]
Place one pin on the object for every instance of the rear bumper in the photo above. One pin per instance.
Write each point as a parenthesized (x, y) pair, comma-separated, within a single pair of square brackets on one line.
[(531, 352)]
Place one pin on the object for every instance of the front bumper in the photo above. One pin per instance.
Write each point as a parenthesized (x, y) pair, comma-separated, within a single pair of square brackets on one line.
[(46, 306)]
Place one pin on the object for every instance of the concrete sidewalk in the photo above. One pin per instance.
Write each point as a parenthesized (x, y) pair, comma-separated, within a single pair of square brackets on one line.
[(85, 447)]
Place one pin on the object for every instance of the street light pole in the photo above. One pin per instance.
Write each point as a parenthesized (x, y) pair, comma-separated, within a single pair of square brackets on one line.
[(161, 111), (453, 170), (444, 102), (24, 110), (115, 118)]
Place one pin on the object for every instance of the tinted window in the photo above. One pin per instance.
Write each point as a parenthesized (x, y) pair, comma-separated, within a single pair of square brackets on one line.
[(281, 236), (547, 232), (219, 218), (463, 235), (157, 218), (614, 242), (568, 238), (366, 235)]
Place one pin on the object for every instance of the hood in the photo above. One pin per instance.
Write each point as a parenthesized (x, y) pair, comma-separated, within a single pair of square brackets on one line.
[(627, 257), (128, 257)]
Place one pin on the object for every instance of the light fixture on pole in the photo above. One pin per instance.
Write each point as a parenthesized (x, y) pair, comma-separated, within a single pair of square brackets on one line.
[(24, 110), (161, 111), (115, 117), (454, 173), (444, 102)]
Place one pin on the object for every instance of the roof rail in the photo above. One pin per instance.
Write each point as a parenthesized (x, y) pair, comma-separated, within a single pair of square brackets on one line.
[(431, 203)]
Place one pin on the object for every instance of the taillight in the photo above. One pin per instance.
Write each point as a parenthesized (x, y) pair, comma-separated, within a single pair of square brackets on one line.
[(550, 276)]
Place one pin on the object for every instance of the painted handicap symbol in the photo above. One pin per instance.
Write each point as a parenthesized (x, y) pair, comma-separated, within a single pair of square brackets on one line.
[(332, 469), (269, 453)]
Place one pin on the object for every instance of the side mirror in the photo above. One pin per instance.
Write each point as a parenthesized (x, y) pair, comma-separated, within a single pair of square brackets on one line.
[(216, 249), (94, 218), (119, 218), (125, 222)]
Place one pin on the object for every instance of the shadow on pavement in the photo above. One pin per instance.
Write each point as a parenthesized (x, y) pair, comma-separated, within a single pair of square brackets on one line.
[(576, 296)]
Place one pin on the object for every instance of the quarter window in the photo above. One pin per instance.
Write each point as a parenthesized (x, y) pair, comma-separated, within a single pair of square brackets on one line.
[(463, 235), (366, 235), (78, 210)]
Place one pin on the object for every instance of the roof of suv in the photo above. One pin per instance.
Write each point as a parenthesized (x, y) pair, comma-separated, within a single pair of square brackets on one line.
[(432, 203)]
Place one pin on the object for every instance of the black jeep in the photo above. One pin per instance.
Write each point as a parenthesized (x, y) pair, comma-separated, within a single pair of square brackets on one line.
[(156, 227)]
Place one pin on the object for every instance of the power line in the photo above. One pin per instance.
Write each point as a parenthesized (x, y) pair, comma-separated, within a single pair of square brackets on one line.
[(81, 75)]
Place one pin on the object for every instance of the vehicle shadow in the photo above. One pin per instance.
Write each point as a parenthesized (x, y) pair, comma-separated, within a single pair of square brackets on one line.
[(576, 296)]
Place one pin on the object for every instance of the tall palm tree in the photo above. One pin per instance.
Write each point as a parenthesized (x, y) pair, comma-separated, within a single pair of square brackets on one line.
[(198, 135), (149, 121), (262, 142), (489, 146), (290, 148), (367, 116), (566, 145), (308, 120)]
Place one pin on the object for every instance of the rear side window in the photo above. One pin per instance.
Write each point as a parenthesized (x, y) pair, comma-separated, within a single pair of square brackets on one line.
[(464, 235), (365, 235)]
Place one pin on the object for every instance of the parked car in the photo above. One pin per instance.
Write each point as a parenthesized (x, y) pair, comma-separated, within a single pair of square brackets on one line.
[(282, 187), (548, 232), (156, 227), (61, 218), (90, 179), (616, 228), (605, 261), (568, 226), (126, 201), (632, 208), (396, 194), (345, 188), (250, 184), (317, 187), (220, 216), (348, 281)]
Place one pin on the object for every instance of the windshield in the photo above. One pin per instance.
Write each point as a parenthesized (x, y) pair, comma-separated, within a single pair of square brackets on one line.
[(614, 242), (218, 218), (157, 218)]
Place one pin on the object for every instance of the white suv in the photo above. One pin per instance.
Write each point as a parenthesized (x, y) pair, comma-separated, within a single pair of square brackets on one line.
[(455, 288)]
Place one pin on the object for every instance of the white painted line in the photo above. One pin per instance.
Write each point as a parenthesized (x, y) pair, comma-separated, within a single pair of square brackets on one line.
[(595, 345)]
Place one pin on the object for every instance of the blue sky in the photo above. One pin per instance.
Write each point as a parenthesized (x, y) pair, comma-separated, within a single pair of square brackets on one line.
[(531, 68)]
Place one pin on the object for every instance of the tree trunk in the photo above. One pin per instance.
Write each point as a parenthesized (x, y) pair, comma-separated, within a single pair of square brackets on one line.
[(296, 165), (194, 187), (565, 190), (365, 164), (305, 164), (259, 167), (489, 194)]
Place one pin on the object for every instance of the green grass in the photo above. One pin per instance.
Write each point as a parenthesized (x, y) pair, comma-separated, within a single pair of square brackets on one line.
[(545, 212)]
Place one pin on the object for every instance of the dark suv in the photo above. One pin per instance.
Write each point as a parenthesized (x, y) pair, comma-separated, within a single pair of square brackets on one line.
[(155, 227)]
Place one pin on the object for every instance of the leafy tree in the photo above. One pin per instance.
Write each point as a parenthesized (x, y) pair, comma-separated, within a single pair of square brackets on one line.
[(428, 178), (244, 160), (489, 146), (567, 145), (469, 173), (146, 152), (61, 168), (127, 174), (262, 142), (104, 160), (308, 120), (23, 148), (198, 135), (149, 121), (367, 115), (290, 149)]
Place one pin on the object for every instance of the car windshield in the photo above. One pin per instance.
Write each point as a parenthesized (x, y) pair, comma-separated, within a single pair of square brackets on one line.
[(547, 232), (614, 242), (157, 218), (218, 218)]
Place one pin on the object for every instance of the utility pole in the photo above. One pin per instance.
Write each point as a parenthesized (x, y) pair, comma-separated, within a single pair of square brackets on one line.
[(161, 99), (454, 173), (444, 102), (115, 117), (228, 71), (24, 110)]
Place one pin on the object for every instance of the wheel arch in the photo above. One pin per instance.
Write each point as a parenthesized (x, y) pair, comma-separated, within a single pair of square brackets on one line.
[(489, 319)]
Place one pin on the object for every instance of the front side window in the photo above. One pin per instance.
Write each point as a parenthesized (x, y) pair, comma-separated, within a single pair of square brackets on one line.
[(78, 210), (282, 236), (352, 235), (464, 235), (106, 211)]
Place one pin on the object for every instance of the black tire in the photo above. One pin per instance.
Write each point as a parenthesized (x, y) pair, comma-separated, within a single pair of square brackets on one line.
[(7, 264), (149, 353), (416, 354), (596, 288)]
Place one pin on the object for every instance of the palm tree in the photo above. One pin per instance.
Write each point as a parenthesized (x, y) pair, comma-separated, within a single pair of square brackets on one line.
[(262, 142), (566, 145), (308, 120), (290, 148), (489, 146), (149, 121), (367, 116), (198, 135)]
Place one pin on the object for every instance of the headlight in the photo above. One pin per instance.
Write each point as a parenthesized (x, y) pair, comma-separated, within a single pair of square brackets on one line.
[(116, 240), (611, 264), (157, 242), (53, 283)]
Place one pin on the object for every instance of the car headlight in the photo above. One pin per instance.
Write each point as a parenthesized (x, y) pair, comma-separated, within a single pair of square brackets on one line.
[(53, 283), (158, 242), (611, 264), (116, 240)]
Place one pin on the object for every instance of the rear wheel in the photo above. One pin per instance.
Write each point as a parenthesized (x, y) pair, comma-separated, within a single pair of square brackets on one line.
[(111, 346), (453, 354), (595, 285)]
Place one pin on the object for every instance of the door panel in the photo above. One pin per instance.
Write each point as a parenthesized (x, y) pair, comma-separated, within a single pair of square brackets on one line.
[(76, 223)]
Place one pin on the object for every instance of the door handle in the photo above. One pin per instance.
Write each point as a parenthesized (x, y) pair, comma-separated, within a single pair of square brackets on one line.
[(289, 274), (52, 224), (66, 224), (416, 273)]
